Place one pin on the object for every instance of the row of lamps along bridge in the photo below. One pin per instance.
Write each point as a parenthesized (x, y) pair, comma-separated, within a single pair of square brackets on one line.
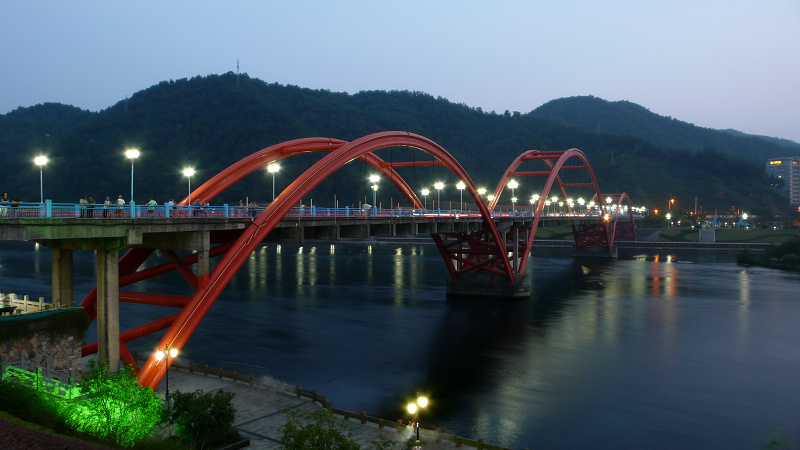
[(273, 168)]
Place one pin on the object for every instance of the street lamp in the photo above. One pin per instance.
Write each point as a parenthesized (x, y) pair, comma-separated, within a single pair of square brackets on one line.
[(513, 185), (188, 172), (534, 199), (668, 216), (513, 204), (41, 161), (132, 154), (581, 202), (413, 408), (374, 180), (273, 169), (438, 186), (425, 193), (460, 186), (169, 352)]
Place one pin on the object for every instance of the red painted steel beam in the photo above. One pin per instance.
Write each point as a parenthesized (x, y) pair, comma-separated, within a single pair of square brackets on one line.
[(147, 298)]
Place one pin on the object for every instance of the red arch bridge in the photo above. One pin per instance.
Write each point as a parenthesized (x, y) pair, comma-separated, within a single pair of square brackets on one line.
[(490, 261)]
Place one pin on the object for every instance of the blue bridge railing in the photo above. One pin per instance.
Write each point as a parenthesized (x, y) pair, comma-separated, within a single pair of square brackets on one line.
[(50, 210)]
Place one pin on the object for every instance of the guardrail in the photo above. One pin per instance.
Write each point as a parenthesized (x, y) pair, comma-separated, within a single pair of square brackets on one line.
[(12, 304), (54, 382), (50, 210), (314, 396)]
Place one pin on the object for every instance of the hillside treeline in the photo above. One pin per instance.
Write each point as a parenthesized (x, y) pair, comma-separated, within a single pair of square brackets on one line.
[(211, 122)]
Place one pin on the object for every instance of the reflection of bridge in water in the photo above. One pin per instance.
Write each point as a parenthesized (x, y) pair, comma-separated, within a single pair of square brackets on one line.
[(485, 253)]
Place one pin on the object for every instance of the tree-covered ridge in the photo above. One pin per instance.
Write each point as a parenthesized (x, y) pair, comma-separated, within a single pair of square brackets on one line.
[(623, 118), (213, 121)]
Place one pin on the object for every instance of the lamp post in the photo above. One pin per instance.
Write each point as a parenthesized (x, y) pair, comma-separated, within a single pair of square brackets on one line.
[(438, 186), (413, 408), (374, 180), (481, 191), (173, 352), (41, 161), (132, 154), (425, 193), (188, 172), (460, 186), (668, 216), (534, 199), (581, 202), (513, 185), (273, 169)]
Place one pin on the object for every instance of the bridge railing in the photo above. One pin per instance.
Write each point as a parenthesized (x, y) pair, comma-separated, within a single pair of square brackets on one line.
[(48, 209)]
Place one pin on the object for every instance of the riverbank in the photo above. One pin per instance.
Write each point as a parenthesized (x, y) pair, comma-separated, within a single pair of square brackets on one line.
[(262, 403)]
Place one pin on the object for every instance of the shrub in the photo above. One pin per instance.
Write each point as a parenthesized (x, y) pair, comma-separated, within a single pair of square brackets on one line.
[(199, 417), (316, 429), (114, 407)]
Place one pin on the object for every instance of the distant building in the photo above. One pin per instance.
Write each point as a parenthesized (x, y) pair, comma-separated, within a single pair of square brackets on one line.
[(787, 169)]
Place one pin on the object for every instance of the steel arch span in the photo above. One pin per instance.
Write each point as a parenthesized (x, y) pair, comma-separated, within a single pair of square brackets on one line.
[(601, 234), (234, 250)]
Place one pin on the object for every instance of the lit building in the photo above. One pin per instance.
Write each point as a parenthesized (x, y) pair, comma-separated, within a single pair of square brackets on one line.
[(788, 170)]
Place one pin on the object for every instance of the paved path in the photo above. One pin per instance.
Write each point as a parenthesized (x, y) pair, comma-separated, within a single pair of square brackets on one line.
[(260, 411)]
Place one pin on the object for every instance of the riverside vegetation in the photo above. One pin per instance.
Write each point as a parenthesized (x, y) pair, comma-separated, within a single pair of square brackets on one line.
[(115, 411)]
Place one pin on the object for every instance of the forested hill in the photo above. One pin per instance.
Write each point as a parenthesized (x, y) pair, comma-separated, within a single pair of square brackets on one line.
[(623, 118), (213, 121)]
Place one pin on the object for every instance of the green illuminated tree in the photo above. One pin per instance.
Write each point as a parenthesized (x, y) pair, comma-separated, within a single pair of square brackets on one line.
[(114, 406)]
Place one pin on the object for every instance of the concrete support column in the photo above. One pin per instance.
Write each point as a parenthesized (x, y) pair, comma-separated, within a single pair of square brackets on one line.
[(203, 258), (62, 277), (515, 253), (108, 308)]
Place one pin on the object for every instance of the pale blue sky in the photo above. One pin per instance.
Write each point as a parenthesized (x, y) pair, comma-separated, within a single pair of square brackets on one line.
[(720, 64)]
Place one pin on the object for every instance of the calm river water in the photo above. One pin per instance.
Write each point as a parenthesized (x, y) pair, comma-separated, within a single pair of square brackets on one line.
[(662, 350)]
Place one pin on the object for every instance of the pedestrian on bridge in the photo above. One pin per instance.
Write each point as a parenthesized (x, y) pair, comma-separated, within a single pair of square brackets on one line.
[(151, 205), (106, 205), (82, 202), (90, 206), (120, 204)]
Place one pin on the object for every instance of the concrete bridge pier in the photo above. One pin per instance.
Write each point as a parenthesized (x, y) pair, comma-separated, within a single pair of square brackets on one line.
[(108, 308), (62, 277)]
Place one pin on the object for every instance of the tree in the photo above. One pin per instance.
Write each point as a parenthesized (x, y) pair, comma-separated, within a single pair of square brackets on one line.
[(114, 406), (199, 416)]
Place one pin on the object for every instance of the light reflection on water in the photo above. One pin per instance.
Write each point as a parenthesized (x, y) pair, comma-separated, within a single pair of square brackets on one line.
[(682, 350)]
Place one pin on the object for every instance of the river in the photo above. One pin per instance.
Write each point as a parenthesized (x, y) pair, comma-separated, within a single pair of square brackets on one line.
[(653, 350)]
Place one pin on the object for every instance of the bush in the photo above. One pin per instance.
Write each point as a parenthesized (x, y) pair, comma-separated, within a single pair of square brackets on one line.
[(198, 417), (316, 429), (115, 407), (30, 405)]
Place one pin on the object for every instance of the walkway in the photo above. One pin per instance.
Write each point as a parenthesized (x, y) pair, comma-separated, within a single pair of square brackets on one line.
[(260, 411)]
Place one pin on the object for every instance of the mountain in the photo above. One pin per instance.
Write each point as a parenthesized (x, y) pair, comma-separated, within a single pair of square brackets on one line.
[(623, 118), (213, 121)]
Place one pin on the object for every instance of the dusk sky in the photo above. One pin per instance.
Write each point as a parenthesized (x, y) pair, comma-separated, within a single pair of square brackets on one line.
[(718, 63)]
